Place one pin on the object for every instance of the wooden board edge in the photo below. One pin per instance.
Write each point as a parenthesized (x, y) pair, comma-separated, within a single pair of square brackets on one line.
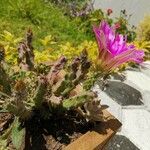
[(98, 137)]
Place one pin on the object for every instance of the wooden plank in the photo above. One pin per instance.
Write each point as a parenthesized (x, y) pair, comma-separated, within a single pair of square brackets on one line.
[(98, 137)]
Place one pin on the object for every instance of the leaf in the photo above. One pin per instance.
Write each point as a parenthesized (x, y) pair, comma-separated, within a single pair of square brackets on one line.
[(4, 137), (17, 134), (17, 40), (46, 40), (3, 110), (4, 94), (3, 144), (8, 36)]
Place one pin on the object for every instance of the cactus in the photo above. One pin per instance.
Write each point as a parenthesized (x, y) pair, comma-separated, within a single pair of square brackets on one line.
[(79, 68), (4, 79), (40, 91), (17, 102), (48, 92), (2, 53), (93, 111), (79, 100), (25, 53)]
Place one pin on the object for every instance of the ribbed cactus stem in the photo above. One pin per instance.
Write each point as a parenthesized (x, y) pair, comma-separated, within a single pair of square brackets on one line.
[(16, 104), (2, 53), (61, 86), (4, 78), (80, 74), (40, 91), (56, 68), (20, 110), (29, 38), (79, 100), (25, 53), (4, 81), (74, 68)]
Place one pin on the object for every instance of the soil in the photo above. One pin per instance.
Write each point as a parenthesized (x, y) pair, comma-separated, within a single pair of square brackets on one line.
[(5, 120), (54, 133)]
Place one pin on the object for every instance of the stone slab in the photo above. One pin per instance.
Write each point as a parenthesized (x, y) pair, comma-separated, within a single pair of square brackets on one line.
[(123, 94), (139, 79), (120, 142), (146, 99), (114, 108), (136, 126), (145, 68)]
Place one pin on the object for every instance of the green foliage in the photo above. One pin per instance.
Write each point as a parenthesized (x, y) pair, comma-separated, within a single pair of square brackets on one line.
[(43, 18), (86, 22), (143, 36), (145, 45), (94, 17), (40, 92), (9, 42), (124, 27), (68, 5), (49, 50)]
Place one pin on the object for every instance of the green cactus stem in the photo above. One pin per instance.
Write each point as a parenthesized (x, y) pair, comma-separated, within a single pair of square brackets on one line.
[(20, 110), (16, 103), (40, 91), (81, 73), (79, 100), (67, 83)]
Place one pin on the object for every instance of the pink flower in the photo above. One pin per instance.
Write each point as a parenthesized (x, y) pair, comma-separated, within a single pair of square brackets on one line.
[(117, 25), (113, 49), (109, 11)]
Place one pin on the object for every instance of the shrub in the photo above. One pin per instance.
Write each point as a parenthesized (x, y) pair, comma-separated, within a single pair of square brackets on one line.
[(145, 45), (121, 23), (143, 31), (44, 19), (123, 27), (48, 49)]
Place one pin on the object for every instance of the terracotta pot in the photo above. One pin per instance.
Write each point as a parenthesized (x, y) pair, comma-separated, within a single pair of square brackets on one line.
[(98, 137)]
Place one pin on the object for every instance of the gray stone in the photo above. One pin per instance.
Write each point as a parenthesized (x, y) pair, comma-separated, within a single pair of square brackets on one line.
[(118, 76), (145, 68), (146, 98), (123, 94), (136, 126), (114, 108), (129, 101), (141, 81), (120, 142)]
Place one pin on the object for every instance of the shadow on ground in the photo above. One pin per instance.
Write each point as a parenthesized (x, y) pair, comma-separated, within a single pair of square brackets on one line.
[(120, 142), (123, 94)]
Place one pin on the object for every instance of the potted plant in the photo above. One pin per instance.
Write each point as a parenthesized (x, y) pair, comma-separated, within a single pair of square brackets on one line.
[(51, 105)]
